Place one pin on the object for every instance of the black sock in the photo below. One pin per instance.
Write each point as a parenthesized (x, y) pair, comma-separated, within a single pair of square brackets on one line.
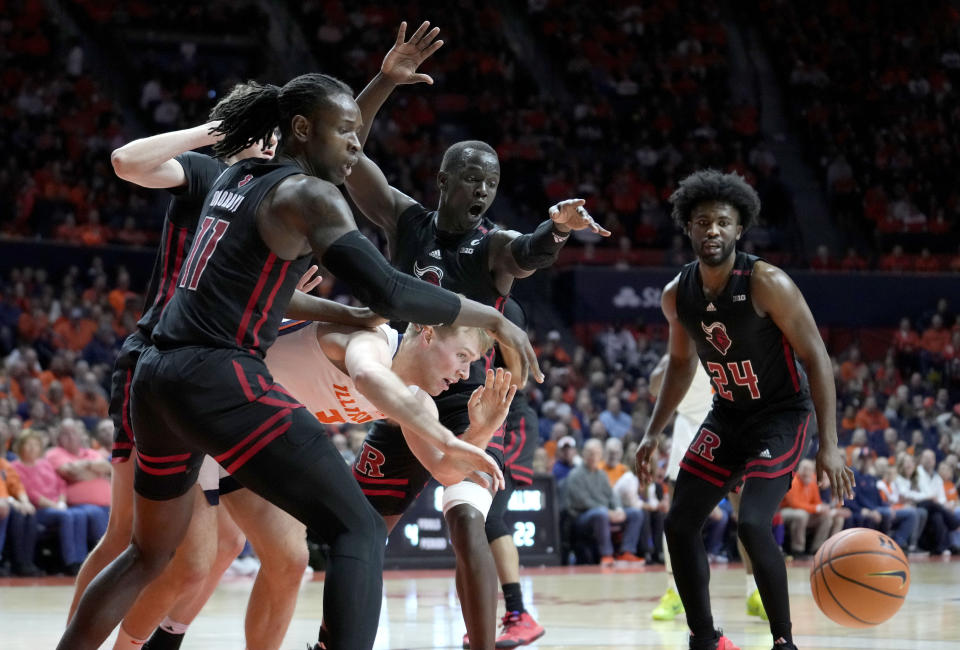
[(163, 640), (514, 597), (781, 631)]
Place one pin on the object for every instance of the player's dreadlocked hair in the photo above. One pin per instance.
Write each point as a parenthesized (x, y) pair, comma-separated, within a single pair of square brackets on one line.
[(712, 185), (453, 156), (251, 111)]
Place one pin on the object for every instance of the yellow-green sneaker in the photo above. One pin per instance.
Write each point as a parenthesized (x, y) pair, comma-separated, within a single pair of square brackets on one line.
[(670, 606), (755, 605)]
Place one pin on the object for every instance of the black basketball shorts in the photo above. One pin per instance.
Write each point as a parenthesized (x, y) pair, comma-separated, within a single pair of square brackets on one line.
[(123, 438), (191, 401), (731, 446), (521, 436), (389, 474)]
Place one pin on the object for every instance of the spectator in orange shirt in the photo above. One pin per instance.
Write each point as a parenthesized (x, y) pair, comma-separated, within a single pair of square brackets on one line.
[(803, 510), (90, 401), (927, 262), (76, 331), (93, 233), (896, 260), (612, 463), (858, 445), (130, 235), (67, 231), (907, 343), (870, 417), (853, 367), (59, 370), (18, 518), (848, 421), (119, 296)]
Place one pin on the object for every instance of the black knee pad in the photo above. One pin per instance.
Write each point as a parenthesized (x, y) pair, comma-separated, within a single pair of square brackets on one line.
[(496, 527)]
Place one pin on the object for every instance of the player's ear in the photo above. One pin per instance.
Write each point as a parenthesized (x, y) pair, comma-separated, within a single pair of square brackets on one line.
[(300, 127), (442, 177), (739, 232), (428, 333)]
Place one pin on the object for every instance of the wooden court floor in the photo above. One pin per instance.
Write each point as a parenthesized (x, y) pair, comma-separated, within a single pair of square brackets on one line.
[(583, 607)]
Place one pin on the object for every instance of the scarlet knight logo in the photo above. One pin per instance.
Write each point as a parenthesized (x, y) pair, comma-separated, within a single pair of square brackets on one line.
[(246, 179), (430, 273), (717, 335)]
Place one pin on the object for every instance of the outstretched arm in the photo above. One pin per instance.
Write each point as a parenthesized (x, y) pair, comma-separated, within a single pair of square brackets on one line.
[(303, 306), (677, 377), (149, 162), (774, 294), (368, 364), (315, 208), (513, 255), (368, 187)]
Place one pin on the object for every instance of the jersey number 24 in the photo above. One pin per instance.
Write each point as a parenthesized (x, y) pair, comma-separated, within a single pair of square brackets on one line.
[(742, 374)]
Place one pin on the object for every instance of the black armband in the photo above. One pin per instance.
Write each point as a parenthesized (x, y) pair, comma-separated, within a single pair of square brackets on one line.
[(384, 289), (538, 250)]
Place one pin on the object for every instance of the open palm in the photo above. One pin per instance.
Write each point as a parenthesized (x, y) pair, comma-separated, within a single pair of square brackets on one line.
[(401, 62)]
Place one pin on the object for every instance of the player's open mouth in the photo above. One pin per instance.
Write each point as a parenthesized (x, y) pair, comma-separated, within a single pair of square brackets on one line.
[(711, 247), (476, 209)]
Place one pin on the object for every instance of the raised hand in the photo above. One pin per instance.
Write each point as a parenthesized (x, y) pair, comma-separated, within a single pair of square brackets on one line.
[(571, 215), (401, 62), (489, 404), (308, 282)]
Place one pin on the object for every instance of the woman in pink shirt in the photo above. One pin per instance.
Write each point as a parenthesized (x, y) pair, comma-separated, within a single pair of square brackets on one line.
[(47, 491)]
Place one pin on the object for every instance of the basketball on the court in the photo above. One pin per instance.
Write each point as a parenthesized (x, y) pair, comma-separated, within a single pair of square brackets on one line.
[(860, 577)]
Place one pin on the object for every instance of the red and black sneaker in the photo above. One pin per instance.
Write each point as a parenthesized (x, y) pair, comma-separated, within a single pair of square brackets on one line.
[(519, 628)]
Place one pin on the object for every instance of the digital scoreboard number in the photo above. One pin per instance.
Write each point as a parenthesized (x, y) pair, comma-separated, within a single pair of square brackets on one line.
[(421, 540)]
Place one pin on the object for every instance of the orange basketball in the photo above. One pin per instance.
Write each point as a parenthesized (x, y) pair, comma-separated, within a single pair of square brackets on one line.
[(860, 577)]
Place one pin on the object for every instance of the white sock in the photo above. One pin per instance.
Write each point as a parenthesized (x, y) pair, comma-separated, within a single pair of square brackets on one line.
[(127, 642), (173, 627), (751, 585)]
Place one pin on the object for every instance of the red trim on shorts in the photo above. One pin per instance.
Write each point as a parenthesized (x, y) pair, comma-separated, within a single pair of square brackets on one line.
[(696, 472), (123, 445), (522, 432), (244, 384), (796, 442), (722, 471), (521, 468), (125, 410), (801, 437), (176, 469), (166, 265), (791, 364), (176, 266), (254, 297), (163, 459), (263, 442), (266, 307), (495, 445), (523, 480), (384, 493), (266, 424), (379, 481)]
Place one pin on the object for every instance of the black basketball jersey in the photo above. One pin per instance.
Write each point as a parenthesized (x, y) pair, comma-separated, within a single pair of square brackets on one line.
[(232, 289), (750, 362), (454, 261), (179, 225)]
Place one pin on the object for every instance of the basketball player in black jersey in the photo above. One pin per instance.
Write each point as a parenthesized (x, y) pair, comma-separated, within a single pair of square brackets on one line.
[(204, 387), (749, 325), (167, 161), (455, 247)]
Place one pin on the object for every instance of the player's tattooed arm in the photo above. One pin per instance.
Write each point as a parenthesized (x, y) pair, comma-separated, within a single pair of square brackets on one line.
[(367, 185), (775, 295), (149, 162), (677, 377)]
